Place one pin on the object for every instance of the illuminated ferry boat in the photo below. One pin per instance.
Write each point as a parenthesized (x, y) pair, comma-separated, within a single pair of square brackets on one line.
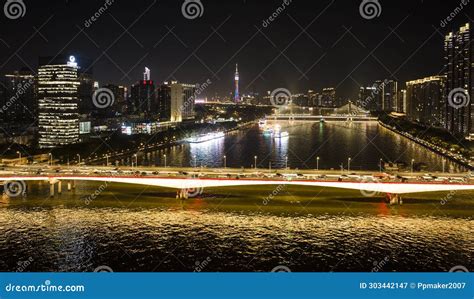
[(206, 137)]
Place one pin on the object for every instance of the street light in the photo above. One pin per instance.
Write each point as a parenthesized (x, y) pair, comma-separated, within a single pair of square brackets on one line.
[(20, 156), (165, 159), (412, 162), (195, 161), (225, 161), (79, 163), (444, 164), (136, 160), (380, 164), (317, 163), (107, 160), (286, 162), (255, 158), (51, 158), (348, 164)]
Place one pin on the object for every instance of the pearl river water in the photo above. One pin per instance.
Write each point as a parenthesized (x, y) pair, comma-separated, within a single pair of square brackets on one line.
[(142, 228), (333, 142)]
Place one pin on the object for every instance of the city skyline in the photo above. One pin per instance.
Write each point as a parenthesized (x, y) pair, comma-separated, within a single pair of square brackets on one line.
[(182, 136), (174, 57)]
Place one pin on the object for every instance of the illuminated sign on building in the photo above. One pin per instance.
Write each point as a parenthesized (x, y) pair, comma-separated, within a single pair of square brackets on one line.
[(72, 61)]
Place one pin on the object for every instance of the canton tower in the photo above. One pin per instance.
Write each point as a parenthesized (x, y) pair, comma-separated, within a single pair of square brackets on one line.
[(236, 93)]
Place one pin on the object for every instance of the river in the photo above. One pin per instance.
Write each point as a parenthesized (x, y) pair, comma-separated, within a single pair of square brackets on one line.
[(142, 228)]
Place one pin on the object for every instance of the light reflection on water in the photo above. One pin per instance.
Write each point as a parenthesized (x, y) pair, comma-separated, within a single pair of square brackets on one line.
[(366, 143), (154, 233)]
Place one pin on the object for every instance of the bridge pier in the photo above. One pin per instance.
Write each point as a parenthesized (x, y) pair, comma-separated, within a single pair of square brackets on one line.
[(68, 186), (394, 199), (60, 189), (51, 189), (182, 194)]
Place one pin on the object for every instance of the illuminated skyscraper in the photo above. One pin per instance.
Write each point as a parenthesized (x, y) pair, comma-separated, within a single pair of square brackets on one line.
[(58, 117), (425, 100), (182, 98), (236, 93), (143, 97), (459, 66)]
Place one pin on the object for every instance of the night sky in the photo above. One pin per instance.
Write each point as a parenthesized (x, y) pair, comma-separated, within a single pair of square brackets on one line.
[(339, 47)]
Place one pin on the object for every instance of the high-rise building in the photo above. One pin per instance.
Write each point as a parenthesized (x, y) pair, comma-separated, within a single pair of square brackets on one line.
[(182, 101), (459, 66), (389, 95), (402, 101), (164, 101), (119, 104), (367, 98), (143, 97), (18, 98), (426, 100), (236, 78), (58, 113), (328, 97), (312, 98)]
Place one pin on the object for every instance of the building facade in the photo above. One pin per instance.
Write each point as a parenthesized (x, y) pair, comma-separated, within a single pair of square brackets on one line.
[(182, 101), (426, 100), (18, 98), (58, 112), (459, 68)]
